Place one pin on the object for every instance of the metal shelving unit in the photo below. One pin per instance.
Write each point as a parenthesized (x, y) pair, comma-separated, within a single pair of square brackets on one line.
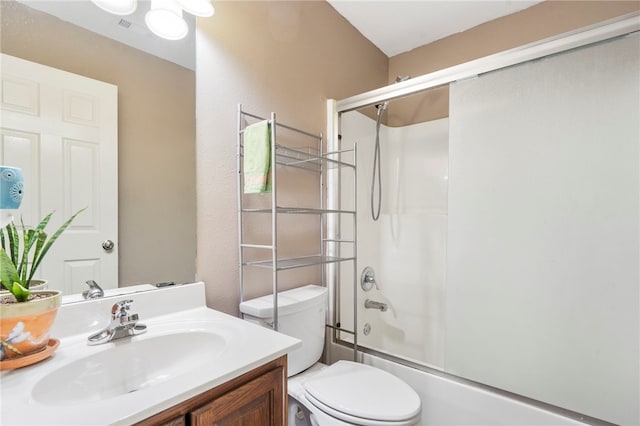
[(313, 160), (298, 262)]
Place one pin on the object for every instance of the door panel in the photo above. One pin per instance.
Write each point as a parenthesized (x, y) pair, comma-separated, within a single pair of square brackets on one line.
[(62, 130)]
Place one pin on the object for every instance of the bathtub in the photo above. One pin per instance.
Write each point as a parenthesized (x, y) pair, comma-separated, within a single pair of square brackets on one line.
[(446, 401), (451, 401)]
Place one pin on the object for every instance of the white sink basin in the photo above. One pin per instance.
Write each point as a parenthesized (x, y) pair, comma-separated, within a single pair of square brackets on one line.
[(129, 365)]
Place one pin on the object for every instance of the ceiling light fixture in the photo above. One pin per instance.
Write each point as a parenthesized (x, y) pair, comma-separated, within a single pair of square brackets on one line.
[(165, 20), (202, 8), (117, 7)]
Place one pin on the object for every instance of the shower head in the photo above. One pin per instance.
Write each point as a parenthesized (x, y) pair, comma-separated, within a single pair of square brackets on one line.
[(381, 107), (399, 79)]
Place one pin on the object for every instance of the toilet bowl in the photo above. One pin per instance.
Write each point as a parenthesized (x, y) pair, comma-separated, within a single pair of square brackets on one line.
[(301, 411), (344, 393)]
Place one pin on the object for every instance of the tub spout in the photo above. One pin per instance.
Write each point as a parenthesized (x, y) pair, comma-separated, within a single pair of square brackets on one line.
[(372, 304)]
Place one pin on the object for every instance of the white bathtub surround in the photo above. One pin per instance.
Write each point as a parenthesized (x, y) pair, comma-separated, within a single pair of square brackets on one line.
[(30, 396), (407, 245)]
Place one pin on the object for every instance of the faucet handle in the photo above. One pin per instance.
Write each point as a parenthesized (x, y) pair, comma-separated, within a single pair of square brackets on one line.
[(120, 308), (368, 279), (94, 291), (122, 324)]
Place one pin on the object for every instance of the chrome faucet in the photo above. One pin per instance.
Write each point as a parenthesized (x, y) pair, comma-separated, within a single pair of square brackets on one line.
[(94, 291), (122, 324), (372, 304), (368, 279)]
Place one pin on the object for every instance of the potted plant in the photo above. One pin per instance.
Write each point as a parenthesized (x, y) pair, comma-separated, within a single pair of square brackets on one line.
[(25, 315)]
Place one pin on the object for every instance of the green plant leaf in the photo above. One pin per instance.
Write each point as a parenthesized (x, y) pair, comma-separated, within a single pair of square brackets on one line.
[(19, 292), (8, 273), (47, 245), (40, 239), (16, 272), (27, 243), (29, 237), (45, 221), (14, 242)]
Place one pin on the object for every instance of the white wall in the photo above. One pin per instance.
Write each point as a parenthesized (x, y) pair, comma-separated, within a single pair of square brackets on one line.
[(544, 230), (407, 245)]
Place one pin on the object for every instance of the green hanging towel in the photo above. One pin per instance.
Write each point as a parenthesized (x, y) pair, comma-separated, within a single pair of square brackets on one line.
[(257, 158)]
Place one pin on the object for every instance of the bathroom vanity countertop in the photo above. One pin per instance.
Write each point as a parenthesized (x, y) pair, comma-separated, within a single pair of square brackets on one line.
[(39, 394)]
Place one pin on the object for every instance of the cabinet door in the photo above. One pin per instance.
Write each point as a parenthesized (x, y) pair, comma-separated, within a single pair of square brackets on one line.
[(257, 402), (178, 421)]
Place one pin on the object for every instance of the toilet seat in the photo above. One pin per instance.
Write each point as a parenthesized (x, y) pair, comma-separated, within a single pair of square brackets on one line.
[(363, 395), (353, 420)]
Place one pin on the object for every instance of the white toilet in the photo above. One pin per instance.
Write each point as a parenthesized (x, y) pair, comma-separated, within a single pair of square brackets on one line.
[(344, 393)]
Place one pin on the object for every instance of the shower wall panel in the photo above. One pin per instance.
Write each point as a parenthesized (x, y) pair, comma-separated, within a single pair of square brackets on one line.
[(407, 245)]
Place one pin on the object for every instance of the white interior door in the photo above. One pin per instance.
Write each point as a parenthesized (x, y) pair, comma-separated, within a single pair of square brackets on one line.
[(62, 130)]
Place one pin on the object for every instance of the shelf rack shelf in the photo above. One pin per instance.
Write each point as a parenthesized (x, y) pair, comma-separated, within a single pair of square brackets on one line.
[(298, 262), (311, 159), (298, 210), (307, 160)]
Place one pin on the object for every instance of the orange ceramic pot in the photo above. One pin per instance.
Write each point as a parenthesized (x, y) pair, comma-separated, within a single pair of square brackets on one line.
[(24, 327)]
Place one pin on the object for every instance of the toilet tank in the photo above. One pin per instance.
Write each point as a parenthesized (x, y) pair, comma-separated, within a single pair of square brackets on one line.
[(301, 314)]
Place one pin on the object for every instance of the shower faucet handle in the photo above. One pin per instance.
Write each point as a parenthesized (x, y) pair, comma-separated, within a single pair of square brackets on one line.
[(368, 279)]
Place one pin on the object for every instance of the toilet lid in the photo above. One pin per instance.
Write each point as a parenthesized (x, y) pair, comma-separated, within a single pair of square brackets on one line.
[(363, 391)]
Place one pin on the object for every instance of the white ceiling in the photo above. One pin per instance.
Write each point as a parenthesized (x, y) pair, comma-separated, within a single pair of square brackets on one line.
[(397, 26)]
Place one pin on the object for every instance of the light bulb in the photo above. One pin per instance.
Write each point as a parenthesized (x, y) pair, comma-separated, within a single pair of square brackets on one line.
[(202, 8), (165, 20), (117, 7)]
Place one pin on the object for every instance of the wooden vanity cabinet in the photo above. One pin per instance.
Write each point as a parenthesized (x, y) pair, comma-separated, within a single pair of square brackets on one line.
[(257, 398)]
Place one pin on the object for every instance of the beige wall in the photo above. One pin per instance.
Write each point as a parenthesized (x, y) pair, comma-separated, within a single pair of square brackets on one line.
[(541, 21), (156, 137), (287, 57)]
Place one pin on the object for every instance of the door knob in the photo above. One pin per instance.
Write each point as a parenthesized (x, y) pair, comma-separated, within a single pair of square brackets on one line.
[(107, 245)]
